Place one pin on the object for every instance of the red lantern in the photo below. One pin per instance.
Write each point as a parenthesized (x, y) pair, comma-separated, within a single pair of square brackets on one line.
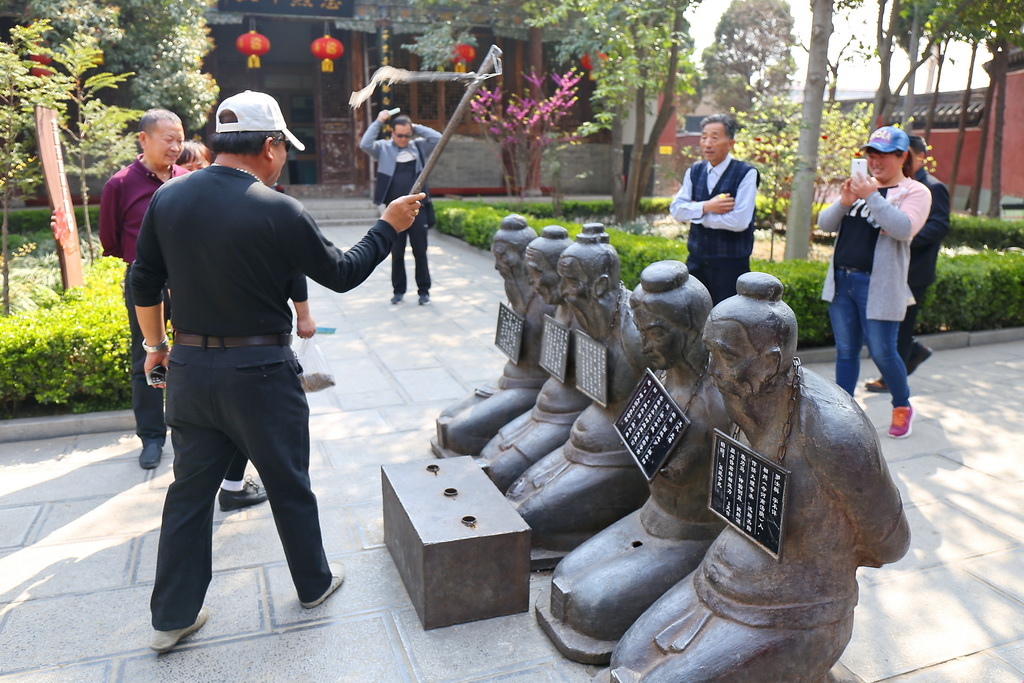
[(587, 63), (327, 49), (253, 44), (40, 71), (463, 54)]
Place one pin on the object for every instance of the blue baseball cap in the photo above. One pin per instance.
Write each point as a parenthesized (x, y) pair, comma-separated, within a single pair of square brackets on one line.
[(888, 139)]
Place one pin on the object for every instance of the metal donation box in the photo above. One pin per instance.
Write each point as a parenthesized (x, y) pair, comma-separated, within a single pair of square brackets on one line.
[(461, 549)]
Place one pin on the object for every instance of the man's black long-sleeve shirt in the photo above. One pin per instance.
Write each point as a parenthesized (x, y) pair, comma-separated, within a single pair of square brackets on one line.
[(230, 248)]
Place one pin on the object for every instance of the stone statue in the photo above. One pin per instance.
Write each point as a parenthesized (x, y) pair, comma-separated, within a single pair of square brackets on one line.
[(465, 427), (536, 433), (743, 614), (591, 481), (603, 586)]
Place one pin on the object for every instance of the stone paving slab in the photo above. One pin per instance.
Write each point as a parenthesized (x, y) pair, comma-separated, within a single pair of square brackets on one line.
[(79, 522)]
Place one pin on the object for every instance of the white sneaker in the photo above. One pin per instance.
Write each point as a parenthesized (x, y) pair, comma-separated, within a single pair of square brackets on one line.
[(163, 641), (337, 578)]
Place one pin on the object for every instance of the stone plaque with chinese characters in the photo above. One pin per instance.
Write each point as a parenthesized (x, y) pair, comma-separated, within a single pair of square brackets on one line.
[(554, 348), (749, 492), (651, 425), (592, 367), (509, 334)]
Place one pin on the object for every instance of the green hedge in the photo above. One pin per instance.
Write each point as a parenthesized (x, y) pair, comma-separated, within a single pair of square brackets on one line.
[(980, 232), (72, 356), (26, 226), (981, 291)]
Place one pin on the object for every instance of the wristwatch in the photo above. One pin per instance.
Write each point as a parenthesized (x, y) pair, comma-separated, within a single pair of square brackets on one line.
[(154, 349)]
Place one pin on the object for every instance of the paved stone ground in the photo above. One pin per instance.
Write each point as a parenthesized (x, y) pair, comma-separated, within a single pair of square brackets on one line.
[(79, 521)]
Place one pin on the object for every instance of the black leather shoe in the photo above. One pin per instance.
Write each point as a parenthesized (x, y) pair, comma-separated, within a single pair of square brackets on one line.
[(251, 494), (150, 455), (919, 354)]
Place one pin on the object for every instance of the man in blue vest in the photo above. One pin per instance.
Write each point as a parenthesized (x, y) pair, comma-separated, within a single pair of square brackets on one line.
[(717, 199)]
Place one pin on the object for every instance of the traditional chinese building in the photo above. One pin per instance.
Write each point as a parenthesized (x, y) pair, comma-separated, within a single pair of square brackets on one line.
[(268, 45)]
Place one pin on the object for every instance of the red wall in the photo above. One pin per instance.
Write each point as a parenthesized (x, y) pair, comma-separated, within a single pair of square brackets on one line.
[(1012, 181)]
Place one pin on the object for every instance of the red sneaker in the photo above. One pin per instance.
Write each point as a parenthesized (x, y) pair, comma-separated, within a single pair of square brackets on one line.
[(902, 418)]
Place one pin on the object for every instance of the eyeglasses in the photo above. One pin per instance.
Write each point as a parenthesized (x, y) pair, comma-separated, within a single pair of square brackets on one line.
[(402, 136), (278, 139)]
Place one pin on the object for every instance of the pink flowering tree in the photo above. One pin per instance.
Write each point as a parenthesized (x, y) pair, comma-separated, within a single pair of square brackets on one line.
[(525, 126)]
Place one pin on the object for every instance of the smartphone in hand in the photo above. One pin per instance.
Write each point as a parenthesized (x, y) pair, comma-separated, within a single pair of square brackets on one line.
[(158, 375), (859, 167)]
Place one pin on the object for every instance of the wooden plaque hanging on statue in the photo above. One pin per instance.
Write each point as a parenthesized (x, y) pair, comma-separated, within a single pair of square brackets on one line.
[(65, 229)]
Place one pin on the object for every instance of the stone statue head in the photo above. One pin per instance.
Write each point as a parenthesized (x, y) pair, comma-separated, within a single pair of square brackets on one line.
[(509, 247), (752, 337), (670, 309), (589, 271), (542, 263)]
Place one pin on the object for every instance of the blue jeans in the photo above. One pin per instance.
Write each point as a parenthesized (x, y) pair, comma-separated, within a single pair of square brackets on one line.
[(851, 327)]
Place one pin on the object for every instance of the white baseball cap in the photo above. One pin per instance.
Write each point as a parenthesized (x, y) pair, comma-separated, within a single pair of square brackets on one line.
[(255, 112)]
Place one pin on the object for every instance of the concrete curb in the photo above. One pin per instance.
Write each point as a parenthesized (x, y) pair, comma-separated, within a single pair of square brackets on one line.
[(34, 428), (937, 342)]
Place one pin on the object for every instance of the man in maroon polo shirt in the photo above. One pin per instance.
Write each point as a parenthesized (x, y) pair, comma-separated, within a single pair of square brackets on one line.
[(124, 201)]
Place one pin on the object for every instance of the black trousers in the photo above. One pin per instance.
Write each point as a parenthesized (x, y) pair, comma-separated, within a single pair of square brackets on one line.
[(905, 341), (417, 237), (719, 275), (220, 400), (147, 402)]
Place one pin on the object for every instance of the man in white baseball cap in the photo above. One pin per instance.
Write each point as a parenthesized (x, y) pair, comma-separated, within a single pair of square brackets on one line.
[(253, 111), (230, 247)]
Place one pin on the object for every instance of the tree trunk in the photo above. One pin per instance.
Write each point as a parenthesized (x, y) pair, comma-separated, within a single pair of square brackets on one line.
[(85, 211), (933, 105), (965, 102), (909, 100), (633, 186), (616, 157), (882, 110), (6, 251), (644, 163), (798, 225), (999, 66), (973, 201)]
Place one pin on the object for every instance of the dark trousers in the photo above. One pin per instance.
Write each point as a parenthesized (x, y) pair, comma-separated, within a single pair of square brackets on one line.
[(417, 237), (905, 341), (147, 402), (718, 274), (236, 467), (218, 401)]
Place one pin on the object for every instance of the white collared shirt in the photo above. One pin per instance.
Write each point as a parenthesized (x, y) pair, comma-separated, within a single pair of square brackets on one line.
[(684, 209)]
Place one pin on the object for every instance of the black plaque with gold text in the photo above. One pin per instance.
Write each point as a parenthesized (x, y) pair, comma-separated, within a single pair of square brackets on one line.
[(651, 425), (592, 367), (554, 348), (509, 334), (306, 8), (749, 492)]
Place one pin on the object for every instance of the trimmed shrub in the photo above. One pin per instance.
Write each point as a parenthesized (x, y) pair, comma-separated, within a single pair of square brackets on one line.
[(972, 292), (72, 356), (980, 232)]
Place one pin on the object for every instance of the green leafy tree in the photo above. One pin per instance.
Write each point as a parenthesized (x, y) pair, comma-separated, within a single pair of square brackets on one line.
[(20, 92), (162, 41), (644, 72), (95, 136), (750, 57), (769, 140)]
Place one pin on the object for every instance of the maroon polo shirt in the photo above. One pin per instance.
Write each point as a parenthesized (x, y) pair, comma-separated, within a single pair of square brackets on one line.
[(123, 203)]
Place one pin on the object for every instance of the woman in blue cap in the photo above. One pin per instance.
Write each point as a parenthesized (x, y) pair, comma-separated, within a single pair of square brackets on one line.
[(876, 217)]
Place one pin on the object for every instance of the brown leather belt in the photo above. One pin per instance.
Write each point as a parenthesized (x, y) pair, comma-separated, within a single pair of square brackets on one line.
[(207, 341)]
